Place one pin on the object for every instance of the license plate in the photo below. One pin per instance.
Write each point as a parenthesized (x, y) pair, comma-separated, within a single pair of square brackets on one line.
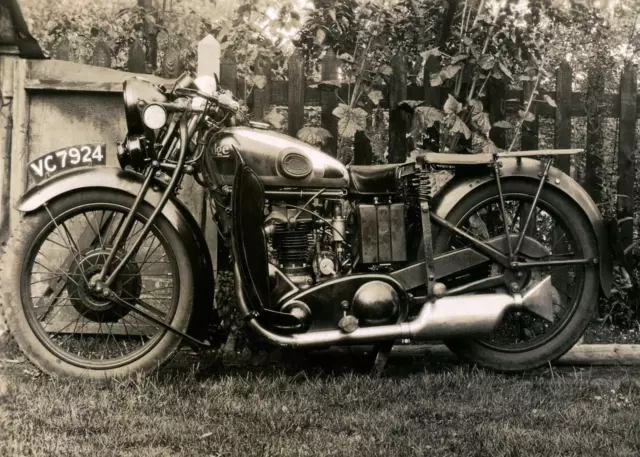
[(82, 155)]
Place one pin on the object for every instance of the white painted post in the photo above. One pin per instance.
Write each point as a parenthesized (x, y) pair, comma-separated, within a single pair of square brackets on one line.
[(209, 64), (209, 56)]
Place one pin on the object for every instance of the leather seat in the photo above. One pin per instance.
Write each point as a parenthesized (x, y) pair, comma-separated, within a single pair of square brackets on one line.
[(373, 179)]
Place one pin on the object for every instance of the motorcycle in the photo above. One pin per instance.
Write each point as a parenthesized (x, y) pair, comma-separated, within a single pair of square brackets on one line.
[(108, 272)]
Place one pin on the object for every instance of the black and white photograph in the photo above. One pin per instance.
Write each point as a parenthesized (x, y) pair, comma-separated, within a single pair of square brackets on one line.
[(288, 228)]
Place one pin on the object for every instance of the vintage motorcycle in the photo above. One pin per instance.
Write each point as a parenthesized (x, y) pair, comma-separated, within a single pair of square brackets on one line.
[(108, 272)]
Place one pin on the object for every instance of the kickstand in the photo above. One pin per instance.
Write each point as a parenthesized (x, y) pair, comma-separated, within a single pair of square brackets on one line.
[(382, 351)]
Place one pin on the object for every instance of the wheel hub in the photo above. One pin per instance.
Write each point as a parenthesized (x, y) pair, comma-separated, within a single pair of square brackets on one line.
[(88, 296)]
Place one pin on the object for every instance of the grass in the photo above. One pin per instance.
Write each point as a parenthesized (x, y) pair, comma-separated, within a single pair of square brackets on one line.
[(320, 408)]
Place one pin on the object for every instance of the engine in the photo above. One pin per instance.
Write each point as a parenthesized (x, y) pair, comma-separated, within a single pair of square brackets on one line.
[(306, 240)]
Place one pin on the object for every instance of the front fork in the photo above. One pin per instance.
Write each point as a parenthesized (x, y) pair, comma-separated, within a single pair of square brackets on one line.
[(103, 280)]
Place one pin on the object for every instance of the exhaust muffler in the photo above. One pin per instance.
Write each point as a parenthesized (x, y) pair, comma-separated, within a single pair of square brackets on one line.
[(469, 315), (447, 317)]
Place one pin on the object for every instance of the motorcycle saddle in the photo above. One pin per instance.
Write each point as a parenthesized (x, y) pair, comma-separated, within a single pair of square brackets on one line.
[(373, 179)]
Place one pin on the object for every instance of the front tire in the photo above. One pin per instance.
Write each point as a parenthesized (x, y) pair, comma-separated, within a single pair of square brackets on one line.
[(120, 355), (569, 327)]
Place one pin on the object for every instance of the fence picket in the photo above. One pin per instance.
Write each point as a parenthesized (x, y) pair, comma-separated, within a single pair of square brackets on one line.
[(529, 138), (261, 96), (399, 121), (330, 100), (595, 135), (172, 65), (562, 134), (229, 73), (432, 97), (497, 110), (137, 62), (296, 93), (627, 147), (101, 55)]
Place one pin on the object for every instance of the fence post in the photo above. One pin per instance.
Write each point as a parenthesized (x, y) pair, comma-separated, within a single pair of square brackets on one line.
[(297, 84), (562, 135), (262, 97), (595, 135), (626, 152), (398, 117), (330, 100), (497, 110), (432, 98)]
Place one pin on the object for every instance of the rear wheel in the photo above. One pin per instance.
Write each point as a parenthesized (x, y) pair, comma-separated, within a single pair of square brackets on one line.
[(61, 324), (523, 340)]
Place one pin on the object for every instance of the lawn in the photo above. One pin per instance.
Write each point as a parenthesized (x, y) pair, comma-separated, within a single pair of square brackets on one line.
[(318, 407)]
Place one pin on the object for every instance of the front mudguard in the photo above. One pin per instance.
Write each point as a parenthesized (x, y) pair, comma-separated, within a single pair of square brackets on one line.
[(524, 168), (175, 211)]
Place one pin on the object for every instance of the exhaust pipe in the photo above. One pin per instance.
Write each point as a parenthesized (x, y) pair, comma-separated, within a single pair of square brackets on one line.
[(447, 317)]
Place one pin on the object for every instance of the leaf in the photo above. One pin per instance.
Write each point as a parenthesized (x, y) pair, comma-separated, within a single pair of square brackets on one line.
[(332, 13), (351, 120), (430, 52), (487, 62), (450, 71), (503, 125), (346, 57), (527, 116), (482, 121), (375, 96), (476, 105), (435, 79), (525, 78), (452, 105), (468, 41), (275, 118), (459, 58), (459, 127), (505, 70), (426, 116), (411, 103), (315, 136), (550, 101), (330, 84), (260, 81), (321, 35), (386, 70)]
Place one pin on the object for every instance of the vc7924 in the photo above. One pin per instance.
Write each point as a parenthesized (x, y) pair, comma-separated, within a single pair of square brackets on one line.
[(58, 161)]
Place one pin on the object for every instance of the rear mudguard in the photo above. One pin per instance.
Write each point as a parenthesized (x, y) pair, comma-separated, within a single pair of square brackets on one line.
[(524, 168), (175, 211)]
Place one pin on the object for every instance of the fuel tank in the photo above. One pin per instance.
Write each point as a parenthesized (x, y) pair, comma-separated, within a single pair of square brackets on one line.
[(279, 160)]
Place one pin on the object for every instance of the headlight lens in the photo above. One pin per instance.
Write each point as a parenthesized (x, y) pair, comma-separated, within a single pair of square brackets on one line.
[(154, 116)]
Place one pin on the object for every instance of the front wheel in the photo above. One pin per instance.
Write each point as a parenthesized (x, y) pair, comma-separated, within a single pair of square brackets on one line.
[(523, 340), (65, 327)]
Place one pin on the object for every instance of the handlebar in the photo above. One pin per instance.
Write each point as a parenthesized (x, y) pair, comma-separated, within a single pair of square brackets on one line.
[(223, 100)]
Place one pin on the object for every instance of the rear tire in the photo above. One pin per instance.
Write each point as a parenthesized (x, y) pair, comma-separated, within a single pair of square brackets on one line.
[(477, 352), (15, 307)]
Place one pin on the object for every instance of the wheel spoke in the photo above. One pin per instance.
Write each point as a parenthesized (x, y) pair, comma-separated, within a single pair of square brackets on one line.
[(84, 328)]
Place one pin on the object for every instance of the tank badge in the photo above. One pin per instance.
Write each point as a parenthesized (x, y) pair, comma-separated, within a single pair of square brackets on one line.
[(294, 165)]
